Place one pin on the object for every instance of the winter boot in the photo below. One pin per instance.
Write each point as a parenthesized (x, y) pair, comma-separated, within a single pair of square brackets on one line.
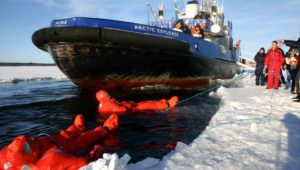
[(112, 122), (173, 101), (79, 122), (297, 97)]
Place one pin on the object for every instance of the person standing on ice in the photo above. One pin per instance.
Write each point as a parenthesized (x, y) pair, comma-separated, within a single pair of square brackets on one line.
[(297, 85), (292, 60), (273, 63), (237, 48), (295, 45), (286, 68), (259, 59)]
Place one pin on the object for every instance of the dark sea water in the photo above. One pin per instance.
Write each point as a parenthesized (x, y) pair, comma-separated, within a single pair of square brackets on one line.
[(47, 106)]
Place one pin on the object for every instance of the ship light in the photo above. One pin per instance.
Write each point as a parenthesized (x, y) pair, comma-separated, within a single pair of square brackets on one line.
[(196, 46), (161, 12), (226, 32), (215, 28)]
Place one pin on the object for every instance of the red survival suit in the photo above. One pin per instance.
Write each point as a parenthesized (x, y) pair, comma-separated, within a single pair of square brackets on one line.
[(108, 105), (274, 61), (56, 151)]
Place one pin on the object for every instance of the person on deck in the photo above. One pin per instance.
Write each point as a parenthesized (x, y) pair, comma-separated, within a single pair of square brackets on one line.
[(259, 59), (186, 27), (56, 151), (108, 105), (202, 29), (273, 63), (196, 31), (237, 48), (178, 26)]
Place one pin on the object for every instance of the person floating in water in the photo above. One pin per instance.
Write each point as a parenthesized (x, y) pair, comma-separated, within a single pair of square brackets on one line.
[(56, 151), (108, 105)]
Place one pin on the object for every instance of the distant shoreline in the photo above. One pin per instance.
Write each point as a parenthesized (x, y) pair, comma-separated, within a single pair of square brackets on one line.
[(27, 64)]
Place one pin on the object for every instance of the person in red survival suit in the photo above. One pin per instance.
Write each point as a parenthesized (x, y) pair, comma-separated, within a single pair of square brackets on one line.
[(156, 105), (273, 63), (55, 151), (110, 105)]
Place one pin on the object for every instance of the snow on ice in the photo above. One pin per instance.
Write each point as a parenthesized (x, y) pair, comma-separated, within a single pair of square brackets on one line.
[(13, 74)]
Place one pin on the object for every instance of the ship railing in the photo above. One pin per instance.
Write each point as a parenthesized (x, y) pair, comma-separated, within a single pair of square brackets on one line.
[(169, 24)]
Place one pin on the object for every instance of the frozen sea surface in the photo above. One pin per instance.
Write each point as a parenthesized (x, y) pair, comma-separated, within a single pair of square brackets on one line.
[(36, 100)]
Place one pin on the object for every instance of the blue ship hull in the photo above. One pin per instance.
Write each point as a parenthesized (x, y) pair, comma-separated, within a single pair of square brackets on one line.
[(107, 54)]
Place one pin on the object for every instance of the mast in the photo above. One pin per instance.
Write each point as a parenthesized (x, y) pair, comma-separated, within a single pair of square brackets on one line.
[(202, 5), (214, 7), (215, 2), (176, 10), (161, 12)]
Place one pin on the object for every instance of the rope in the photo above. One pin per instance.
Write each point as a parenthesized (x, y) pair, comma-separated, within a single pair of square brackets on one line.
[(265, 117), (198, 94), (208, 90), (239, 78)]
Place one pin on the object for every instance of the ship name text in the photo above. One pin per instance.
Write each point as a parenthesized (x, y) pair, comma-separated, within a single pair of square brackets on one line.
[(145, 28), (60, 22)]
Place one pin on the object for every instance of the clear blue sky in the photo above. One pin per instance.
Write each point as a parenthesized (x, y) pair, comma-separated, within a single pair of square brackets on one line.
[(255, 22)]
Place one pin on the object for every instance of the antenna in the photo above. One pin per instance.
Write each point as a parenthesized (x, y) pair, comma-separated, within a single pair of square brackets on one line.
[(202, 5), (222, 7), (176, 10), (150, 10)]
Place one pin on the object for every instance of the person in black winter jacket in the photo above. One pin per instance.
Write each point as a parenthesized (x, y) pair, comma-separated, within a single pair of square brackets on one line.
[(259, 59)]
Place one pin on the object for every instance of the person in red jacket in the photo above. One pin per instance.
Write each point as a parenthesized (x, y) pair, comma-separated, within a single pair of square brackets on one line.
[(108, 105), (273, 63), (55, 151)]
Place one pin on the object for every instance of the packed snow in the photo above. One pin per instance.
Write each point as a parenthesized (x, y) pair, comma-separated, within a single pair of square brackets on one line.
[(14, 74), (254, 128)]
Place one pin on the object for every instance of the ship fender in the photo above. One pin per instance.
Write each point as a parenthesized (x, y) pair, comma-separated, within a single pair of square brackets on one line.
[(46, 36)]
